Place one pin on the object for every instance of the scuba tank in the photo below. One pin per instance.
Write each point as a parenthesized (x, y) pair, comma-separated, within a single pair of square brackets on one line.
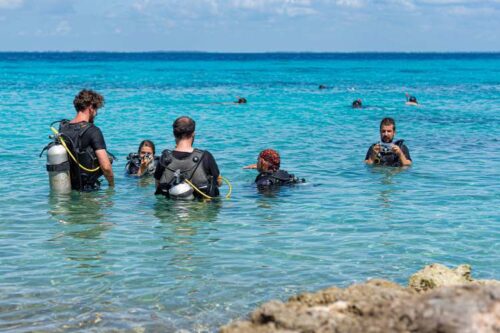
[(58, 168), (179, 189)]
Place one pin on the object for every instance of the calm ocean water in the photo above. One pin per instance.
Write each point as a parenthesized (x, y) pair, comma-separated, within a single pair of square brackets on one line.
[(129, 261)]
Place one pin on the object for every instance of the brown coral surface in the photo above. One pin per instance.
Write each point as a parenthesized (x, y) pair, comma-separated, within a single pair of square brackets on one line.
[(437, 299)]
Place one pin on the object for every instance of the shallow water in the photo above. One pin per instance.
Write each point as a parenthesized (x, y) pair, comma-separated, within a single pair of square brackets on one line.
[(127, 260)]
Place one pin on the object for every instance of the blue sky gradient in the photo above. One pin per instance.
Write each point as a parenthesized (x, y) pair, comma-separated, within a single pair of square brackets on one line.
[(250, 25)]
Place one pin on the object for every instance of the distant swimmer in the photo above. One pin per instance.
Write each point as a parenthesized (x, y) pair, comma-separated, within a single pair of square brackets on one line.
[(241, 100), (270, 174), (411, 100), (357, 104), (322, 86), (386, 152)]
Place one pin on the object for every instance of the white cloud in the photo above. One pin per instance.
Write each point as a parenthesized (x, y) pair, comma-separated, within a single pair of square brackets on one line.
[(350, 3), (10, 4), (63, 28), (468, 11)]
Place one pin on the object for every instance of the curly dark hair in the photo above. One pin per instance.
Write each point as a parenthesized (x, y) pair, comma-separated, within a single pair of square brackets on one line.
[(88, 98)]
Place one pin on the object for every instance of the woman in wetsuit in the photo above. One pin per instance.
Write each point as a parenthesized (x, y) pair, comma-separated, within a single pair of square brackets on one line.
[(270, 174)]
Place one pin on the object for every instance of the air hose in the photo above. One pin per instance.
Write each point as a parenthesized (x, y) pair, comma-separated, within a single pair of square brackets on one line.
[(228, 195), (69, 151)]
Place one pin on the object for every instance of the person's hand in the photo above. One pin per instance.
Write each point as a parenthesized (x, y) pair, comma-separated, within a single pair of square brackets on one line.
[(375, 151), (251, 166), (146, 160), (396, 150)]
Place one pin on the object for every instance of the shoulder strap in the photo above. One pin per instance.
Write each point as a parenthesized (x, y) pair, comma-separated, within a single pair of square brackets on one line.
[(200, 159)]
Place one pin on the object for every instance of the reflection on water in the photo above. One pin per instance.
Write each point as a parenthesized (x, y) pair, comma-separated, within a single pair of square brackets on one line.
[(387, 180), (81, 212), (82, 226)]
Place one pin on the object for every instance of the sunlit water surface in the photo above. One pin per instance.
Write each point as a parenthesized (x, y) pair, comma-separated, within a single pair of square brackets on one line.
[(127, 260)]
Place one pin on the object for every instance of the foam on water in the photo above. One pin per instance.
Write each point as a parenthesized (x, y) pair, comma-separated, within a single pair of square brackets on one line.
[(127, 260)]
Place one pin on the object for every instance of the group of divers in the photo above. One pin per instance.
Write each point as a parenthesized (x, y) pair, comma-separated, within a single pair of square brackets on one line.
[(77, 156)]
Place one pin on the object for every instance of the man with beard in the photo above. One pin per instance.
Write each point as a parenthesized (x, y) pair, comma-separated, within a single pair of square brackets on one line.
[(86, 143), (387, 152)]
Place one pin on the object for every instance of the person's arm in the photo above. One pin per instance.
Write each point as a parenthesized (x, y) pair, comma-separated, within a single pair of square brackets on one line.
[(99, 145), (157, 175), (372, 154), (405, 160), (251, 166), (105, 164), (212, 167)]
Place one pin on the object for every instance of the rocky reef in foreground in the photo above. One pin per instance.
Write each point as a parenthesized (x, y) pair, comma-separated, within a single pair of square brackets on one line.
[(437, 299)]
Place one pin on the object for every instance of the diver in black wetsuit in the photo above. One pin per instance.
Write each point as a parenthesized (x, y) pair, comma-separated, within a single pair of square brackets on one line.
[(387, 152), (144, 162), (270, 174), (86, 143)]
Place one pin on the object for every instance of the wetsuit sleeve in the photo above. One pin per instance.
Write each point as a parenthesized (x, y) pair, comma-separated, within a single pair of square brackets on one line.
[(406, 151), (369, 153), (210, 165), (96, 139), (159, 171)]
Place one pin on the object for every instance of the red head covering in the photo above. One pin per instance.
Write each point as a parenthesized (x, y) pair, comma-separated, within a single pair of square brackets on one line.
[(271, 158)]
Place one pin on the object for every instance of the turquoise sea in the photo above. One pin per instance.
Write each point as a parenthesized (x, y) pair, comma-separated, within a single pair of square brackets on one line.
[(125, 260)]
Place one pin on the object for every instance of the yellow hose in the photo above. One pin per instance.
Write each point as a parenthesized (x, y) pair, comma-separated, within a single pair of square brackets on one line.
[(69, 152), (198, 190), (228, 195)]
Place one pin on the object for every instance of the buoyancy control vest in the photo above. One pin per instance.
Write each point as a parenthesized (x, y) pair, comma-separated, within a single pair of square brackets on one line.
[(190, 168), (389, 158), (280, 177), (81, 180)]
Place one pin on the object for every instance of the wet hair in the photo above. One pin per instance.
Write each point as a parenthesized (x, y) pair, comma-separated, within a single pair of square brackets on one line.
[(241, 100), (387, 122), (88, 98), (412, 99), (146, 143), (183, 127), (357, 103), (271, 158)]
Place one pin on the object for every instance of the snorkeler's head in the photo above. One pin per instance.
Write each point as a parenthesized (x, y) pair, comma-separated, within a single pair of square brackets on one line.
[(269, 160), (357, 104)]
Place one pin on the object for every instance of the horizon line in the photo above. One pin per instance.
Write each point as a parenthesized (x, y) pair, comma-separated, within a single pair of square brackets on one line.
[(255, 52)]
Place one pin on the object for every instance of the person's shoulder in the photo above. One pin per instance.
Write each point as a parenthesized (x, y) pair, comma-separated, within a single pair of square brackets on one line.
[(93, 129), (206, 153)]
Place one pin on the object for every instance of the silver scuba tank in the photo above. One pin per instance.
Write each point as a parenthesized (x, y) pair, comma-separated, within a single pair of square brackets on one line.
[(180, 190), (58, 169)]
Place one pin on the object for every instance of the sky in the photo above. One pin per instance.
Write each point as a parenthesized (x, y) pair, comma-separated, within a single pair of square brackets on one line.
[(250, 25)]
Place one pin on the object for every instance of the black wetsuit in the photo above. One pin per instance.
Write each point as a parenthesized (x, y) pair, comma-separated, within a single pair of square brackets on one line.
[(134, 164), (389, 159), (277, 178)]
